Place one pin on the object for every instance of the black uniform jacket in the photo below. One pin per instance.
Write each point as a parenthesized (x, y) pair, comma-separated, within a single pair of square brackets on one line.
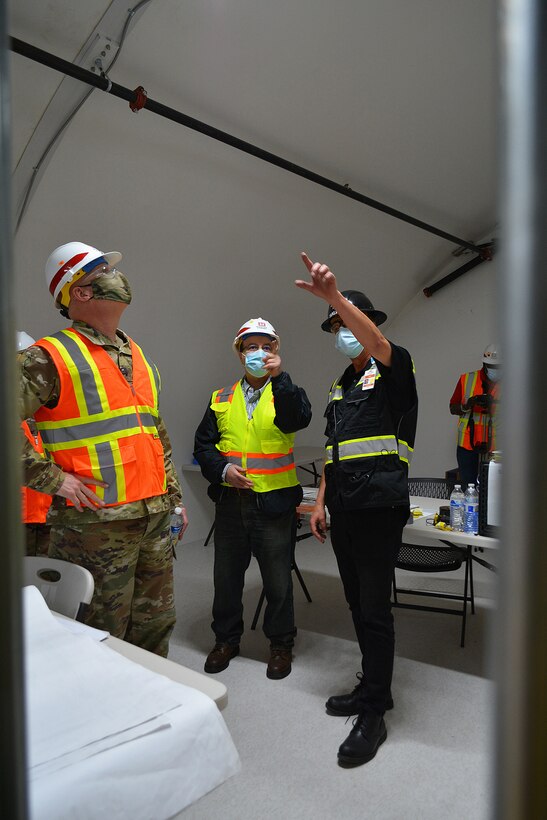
[(390, 408)]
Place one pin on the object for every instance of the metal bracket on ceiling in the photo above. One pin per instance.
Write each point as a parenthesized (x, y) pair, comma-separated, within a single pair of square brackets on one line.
[(98, 54), (487, 251)]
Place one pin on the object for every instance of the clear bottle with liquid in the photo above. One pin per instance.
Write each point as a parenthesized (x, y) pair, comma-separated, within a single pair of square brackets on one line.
[(457, 503), (176, 524), (471, 518)]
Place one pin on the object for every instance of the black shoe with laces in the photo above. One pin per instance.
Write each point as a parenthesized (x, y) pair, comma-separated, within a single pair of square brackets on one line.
[(368, 733), (352, 702)]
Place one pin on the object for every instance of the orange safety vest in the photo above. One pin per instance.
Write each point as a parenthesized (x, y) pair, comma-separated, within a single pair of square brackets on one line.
[(477, 428), (102, 426), (35, 505)]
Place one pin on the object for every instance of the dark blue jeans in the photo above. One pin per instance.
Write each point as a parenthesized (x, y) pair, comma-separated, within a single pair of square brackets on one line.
[(366, 544), (242, 530)]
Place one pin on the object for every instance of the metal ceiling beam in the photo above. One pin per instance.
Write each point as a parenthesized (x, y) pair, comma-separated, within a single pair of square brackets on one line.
[(138, 100), (487, 254)]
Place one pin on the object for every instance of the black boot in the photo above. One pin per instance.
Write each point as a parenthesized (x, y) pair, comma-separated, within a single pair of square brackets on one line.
[(368, 733), (352, 702)]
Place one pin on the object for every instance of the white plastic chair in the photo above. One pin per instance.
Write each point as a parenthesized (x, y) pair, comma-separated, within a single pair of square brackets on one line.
[(66, 587)]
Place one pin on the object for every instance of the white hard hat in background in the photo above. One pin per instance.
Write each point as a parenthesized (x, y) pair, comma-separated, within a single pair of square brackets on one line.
[(24, 340), (492, 356), (66, 260), (255, 327)]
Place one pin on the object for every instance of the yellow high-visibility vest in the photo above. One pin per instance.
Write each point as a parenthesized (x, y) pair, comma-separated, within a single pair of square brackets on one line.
[(255, 444)]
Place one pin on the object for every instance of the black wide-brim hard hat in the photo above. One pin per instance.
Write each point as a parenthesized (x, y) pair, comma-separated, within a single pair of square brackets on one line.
[(357, 298)]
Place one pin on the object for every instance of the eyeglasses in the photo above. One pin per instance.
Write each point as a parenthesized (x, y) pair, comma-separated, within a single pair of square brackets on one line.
[(101, 270)]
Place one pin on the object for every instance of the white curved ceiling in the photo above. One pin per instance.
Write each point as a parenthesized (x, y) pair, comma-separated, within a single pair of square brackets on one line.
[(395, 99)]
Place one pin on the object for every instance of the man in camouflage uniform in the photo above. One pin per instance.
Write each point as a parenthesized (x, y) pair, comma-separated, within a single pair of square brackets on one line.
[(126, 546)]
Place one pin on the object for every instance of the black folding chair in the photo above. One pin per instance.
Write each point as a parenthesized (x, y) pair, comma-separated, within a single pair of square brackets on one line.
[(430, 558)]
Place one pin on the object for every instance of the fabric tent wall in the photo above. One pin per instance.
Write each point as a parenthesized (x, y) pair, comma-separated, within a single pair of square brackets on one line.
[(446, 335), (212, 237)]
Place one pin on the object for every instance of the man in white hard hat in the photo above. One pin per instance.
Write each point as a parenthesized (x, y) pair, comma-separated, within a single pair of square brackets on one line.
[(244, 446), (94, 396), (35, 505), (475, 400)]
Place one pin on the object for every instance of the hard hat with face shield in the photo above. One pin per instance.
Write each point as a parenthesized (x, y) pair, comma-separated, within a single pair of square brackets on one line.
[(68, 263), (255, 327), (23, 340)]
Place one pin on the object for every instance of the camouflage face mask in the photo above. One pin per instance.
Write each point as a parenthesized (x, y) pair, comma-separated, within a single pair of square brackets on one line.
[(112, 286)]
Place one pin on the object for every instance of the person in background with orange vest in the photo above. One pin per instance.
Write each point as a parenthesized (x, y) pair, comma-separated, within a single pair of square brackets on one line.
[(475, 400), (34, 505), (244, 446), (94, 396)]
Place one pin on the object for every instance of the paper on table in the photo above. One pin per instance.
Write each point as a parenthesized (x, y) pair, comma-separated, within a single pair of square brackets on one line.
[(155, 736), (156, 775), (78, 628), (81, 694)]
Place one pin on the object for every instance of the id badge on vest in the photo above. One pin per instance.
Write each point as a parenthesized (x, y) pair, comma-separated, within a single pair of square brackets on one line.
[(368, 379)]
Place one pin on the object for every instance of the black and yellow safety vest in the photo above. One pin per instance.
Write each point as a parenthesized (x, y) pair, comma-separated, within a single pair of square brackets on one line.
[(367, 449)]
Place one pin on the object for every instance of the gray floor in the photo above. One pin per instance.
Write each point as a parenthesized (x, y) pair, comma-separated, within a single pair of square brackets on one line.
[(436, 760)]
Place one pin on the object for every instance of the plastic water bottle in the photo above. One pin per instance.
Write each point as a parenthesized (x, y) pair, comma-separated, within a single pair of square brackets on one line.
[(457, 503), (471, 519), (176, 524)]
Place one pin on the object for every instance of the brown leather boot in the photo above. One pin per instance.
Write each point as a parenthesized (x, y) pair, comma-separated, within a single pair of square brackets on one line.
[(220, 656), (279, 665)]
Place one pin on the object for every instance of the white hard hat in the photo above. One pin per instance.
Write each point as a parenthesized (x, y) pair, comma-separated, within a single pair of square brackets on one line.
[(255, 327), (24, 340), (492, 356), (66, 260)]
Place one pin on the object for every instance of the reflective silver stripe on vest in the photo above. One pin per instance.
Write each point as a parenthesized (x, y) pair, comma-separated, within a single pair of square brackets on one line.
[(89, 386), (233, 459), (336, 393), (87, 430), (155, 373), (377, 446), (224, 394), (405, 451), (255, 465), (108, 471)]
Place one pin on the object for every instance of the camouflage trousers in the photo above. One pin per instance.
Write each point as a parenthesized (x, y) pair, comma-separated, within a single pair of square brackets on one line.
[(132, 564), (36, 539)]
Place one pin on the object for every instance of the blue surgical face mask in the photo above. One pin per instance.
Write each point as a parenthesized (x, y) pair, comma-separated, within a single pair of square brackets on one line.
[(347, 344), (254, 362), (493, 373)]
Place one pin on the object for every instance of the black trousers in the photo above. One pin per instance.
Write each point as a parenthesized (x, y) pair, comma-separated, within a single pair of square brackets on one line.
[(366, 544)]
